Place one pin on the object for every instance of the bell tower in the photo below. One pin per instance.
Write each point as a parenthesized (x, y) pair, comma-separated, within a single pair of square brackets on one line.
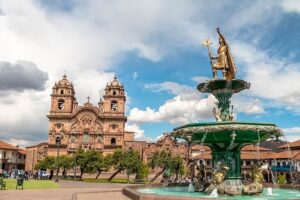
[(114, 98), (62, 97), (114, 115)]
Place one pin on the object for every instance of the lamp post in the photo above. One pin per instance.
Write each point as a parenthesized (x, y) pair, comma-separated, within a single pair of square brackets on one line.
[(74, 160), (58, 141)]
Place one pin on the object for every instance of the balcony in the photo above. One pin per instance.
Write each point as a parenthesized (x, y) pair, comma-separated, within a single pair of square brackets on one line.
[(112, 146), (282, 168)]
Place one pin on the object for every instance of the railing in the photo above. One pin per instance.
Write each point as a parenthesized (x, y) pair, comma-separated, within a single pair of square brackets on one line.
[(282, 168), (112, 146)]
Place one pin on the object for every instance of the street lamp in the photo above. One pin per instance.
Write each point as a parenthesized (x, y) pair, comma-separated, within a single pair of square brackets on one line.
[(74, 160), (57, 141)]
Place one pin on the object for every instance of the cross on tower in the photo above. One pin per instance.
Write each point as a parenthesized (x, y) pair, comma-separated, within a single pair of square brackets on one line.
[(88, 98)]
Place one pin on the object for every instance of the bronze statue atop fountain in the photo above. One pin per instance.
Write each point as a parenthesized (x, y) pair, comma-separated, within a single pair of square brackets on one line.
[(223, 61)]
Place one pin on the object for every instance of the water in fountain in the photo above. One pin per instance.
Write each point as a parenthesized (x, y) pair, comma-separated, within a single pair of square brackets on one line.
[(269, 191), (274, 175), (233, 136), (203, 139), (191, 187), (258, 143), (214, 193), (291, 162)]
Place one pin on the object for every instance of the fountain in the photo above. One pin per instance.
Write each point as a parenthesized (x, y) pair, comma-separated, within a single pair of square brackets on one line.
[(225, 137)]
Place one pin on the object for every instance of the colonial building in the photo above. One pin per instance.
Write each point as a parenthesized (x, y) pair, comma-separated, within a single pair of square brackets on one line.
[(35, 154), (99, 127), (11, 157)]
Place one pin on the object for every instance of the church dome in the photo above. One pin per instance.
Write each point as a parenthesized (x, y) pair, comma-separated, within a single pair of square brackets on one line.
[(64, 81), (116, 82)]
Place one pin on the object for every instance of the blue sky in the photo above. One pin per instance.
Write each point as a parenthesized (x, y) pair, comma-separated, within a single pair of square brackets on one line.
[(154, 48)]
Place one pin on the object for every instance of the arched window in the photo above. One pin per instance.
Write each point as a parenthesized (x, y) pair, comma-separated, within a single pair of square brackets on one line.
[(61, 104), (114, 105), (61, 91), (113, 141), (114, 92)]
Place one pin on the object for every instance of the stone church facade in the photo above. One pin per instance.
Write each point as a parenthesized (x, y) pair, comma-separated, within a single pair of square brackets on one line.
[(100, 127)]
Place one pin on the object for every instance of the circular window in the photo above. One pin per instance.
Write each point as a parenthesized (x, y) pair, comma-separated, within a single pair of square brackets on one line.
[(58, 125), (114, 126)]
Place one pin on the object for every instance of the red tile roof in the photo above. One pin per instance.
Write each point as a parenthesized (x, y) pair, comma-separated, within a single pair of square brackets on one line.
[(4, 145), (286, 155), (22, 151), (254, 148), (291, 144)]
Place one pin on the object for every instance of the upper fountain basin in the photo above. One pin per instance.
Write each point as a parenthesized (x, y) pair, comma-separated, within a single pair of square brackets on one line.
[(219, 85)]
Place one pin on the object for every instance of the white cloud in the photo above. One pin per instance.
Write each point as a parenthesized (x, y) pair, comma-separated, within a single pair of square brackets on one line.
[(176, 111), (92, 37), (247, 105), (290, 5), (23, 143), (184, 91), (292, 130), (135, 75), (138, 132), (271, 78)]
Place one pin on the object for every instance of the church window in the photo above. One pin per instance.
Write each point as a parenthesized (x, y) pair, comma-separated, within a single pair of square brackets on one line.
[(73, 140), (58, 125), (113, 141), (99, 139), (114, 105), (61, 91), (61, 104), (45, 152), (114, 92), (86, 138), (114, 126)]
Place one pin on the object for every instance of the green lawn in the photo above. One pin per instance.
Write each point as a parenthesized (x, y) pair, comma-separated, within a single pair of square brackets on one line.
[(104, 180), (30, 184)]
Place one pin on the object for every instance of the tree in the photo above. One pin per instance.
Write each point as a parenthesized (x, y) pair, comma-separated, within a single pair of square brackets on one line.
[(102, 164), (86, 160), (49, 162), (177, 166), (128, 160), (143, 172), (132, 162), (162, 160), (65, 162), (117, 162)]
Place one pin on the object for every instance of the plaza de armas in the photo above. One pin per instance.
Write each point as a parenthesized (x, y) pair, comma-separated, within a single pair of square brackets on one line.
[(101, 128)]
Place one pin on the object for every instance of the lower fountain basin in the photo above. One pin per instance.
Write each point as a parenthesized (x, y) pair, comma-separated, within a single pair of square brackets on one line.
[(182, 193)]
